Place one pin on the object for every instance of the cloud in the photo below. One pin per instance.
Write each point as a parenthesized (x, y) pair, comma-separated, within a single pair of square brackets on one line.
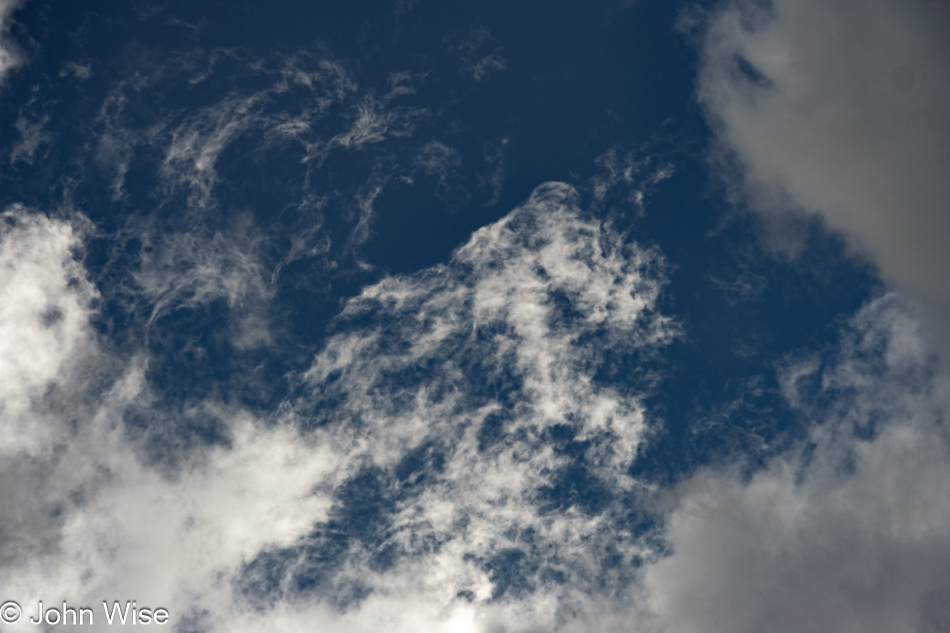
[(480, 55), (10, 56), (33, 134), (374, 119), (495, 156), (637, 176), (485, 466), (186, 270), (196, 144), (454, 459), (837, 108), (45, 303), (87, 518), (437, 159), (82, 72), (850, 532)]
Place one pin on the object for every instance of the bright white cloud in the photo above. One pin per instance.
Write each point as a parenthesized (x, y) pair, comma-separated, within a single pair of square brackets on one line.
[(45, 303), (838, 108), (505, 337)]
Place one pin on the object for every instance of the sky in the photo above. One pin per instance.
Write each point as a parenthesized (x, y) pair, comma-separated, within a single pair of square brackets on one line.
[(475, 317)]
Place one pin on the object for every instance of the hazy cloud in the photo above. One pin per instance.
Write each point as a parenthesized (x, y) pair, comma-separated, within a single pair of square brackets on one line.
[(479, 53), (33, 134), (838, 108), (81, 72), (850, 532), (10, 56)]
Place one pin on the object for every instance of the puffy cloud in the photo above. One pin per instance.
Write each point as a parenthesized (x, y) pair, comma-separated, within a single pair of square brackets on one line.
[(850, 532), (45, 303), (837, 108)]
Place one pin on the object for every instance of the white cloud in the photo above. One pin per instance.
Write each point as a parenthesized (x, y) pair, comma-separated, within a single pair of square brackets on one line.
[(838, 108), (45, 302), (530, 304), (845, 534), (468, 368), (476, 362), (125, 532), (373, 121), (638, 176), (86, 519), (82, 72)]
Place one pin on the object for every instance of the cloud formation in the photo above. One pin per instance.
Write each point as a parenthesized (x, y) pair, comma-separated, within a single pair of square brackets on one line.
[(455, 458), (486, 466), (850, 532), (45, 304), (10, 56), (837, 108)]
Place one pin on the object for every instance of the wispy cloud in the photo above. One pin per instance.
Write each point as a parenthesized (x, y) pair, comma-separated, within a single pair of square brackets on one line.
[(479, 53), (10, 55), (848, 532), (437, 159), (196, 144), (33, 134), (450, 461), (463, 397), (637, 176), (81, 72)]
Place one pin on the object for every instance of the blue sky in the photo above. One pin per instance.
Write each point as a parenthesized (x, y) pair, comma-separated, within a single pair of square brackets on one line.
[(477, 316)]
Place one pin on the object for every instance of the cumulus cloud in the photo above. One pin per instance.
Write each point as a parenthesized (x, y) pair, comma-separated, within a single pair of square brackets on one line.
[(456, 458), (851, 532), (837, 108), (45, 302)]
